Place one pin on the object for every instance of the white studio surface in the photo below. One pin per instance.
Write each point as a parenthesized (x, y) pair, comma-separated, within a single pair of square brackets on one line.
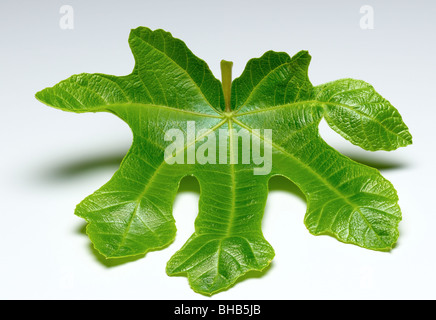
[(50, 160)]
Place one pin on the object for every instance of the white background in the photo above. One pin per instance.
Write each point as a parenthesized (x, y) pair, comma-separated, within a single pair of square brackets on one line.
[(50, 160)]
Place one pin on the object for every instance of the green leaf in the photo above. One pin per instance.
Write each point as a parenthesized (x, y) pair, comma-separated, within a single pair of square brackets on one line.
[(275, 104), (356, 111)]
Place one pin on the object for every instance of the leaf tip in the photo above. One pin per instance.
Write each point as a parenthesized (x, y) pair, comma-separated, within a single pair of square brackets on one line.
[(43, 97), (302, 54), (408, 140), (39, 95)]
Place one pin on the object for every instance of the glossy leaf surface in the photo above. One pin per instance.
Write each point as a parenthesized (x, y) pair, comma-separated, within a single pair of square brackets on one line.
[(170, 88)]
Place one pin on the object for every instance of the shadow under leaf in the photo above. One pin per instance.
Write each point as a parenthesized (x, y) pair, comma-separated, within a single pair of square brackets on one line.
[(189, 184), (73, 169), (280, 183), (376, 161)]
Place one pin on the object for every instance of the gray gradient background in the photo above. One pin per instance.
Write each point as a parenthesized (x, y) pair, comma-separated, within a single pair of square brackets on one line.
[(50, 160)]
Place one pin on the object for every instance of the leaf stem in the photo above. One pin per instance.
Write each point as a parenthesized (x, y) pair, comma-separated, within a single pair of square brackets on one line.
[(226, 78)]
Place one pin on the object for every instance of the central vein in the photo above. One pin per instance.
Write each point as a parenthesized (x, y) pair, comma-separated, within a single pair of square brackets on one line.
[(226, 78)]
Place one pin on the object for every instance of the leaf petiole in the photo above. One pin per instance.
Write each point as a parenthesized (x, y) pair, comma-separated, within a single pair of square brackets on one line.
[(226, 78)]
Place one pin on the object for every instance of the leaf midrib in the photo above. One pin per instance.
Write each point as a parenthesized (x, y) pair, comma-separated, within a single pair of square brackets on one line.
[(152, 105), (308, 102)]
